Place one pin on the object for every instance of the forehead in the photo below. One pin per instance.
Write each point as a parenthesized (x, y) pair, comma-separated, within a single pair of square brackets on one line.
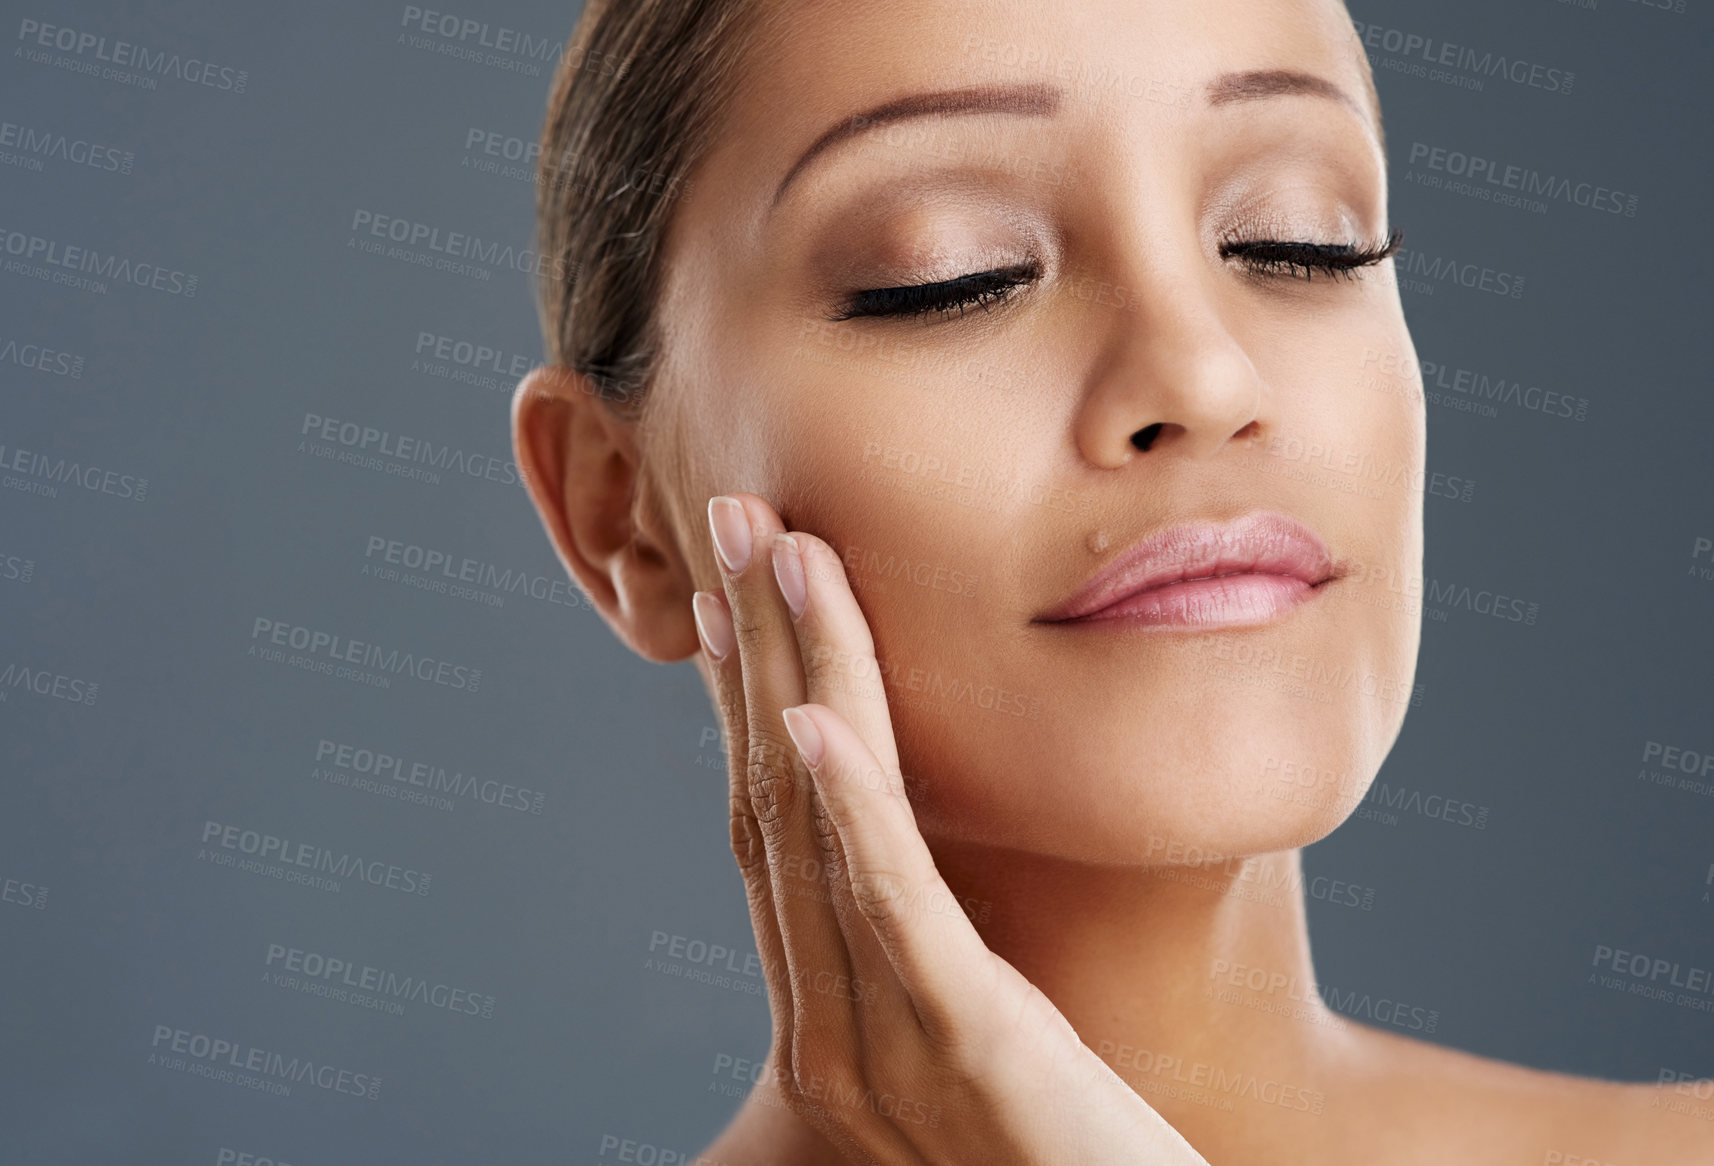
[(816, 59), (815, 63)]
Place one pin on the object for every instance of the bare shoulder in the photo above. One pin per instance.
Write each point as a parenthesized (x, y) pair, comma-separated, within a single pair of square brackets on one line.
[(1420, 1103), (1512, 1113)]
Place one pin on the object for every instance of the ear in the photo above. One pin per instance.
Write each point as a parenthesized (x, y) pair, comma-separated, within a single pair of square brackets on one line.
[(579, 460)]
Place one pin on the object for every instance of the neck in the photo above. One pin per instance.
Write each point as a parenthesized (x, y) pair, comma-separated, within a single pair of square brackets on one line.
[(1194, 983)]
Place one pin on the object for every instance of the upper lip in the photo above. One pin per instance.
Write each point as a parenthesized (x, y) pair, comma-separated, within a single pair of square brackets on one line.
[(1256, 544)]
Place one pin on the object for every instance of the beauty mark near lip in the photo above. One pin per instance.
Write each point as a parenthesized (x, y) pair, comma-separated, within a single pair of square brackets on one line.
[(1204, 575)]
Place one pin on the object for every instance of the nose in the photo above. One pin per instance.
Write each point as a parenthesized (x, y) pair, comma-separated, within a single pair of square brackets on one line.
[(1169, 375)]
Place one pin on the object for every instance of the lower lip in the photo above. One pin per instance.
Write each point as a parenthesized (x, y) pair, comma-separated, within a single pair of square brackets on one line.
[(1229, 601)]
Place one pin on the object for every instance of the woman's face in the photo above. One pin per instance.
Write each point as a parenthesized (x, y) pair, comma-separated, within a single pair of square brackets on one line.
[(976, 466)]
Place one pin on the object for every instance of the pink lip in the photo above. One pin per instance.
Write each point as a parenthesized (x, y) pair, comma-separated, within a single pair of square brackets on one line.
[(1227, 574)]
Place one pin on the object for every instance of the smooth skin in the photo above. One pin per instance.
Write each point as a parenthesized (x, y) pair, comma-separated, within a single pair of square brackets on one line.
[(907, 1039), (1105, 806)]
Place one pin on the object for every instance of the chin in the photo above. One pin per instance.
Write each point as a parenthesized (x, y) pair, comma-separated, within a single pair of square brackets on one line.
[(1199, 773)]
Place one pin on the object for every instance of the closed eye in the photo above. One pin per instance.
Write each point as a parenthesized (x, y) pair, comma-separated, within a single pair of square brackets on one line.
[(1289, 257), (979, 289), (1268, 257)]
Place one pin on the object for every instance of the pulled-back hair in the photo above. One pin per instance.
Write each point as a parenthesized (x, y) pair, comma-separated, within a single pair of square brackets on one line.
[(635, 101)]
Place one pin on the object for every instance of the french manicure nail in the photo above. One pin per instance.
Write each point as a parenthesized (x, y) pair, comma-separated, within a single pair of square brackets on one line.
[(731, 529), (713, 624), (804, 735), (788, 573)]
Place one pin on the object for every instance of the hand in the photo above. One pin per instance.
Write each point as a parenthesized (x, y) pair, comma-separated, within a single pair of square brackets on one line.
[(896, 1033)]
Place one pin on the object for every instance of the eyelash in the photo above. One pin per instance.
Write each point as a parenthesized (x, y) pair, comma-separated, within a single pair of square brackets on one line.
[(1268, 257), (980, 288), (1273, 257)]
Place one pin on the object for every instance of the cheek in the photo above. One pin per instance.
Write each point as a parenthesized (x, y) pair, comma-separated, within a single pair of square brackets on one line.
[(1118, 751), (922, 487), (912, 466), (928, 485)]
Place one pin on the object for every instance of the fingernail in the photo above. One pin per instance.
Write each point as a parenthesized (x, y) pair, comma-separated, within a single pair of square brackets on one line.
[(713, 624), (804, 735), (788, 573), (731, 529)]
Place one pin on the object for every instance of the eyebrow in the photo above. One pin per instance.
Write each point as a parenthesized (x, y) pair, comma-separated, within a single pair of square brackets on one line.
[(1041, 100), (1030, 100), (1258, 84)]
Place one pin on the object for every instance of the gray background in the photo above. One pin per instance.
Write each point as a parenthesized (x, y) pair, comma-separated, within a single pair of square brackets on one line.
[(104, 804)]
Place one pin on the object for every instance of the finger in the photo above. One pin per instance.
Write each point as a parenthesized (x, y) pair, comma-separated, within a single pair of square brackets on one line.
[(714, 629), (780, 789), (929, 941), (836, 646), (840, 672)]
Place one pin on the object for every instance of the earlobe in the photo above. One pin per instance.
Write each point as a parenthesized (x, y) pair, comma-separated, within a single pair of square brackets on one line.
[(580, 462)]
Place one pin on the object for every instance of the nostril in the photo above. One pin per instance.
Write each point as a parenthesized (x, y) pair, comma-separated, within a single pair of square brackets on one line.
[(1143, 438)]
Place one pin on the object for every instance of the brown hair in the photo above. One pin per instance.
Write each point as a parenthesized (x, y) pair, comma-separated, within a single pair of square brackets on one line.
[(635, 101)]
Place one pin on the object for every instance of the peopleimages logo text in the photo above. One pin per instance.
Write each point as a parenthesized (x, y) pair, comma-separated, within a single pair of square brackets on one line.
[(458, 244), (64, 148), (103, 265), (126, 55), (402, 447), (332, 970), (1408, 262), (1431, 51), (237, 1055), (46, 470), (434, 778), (450, 26), (272, 848), (39, 358), (1476, 168), (366, 655), (45, 683)]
